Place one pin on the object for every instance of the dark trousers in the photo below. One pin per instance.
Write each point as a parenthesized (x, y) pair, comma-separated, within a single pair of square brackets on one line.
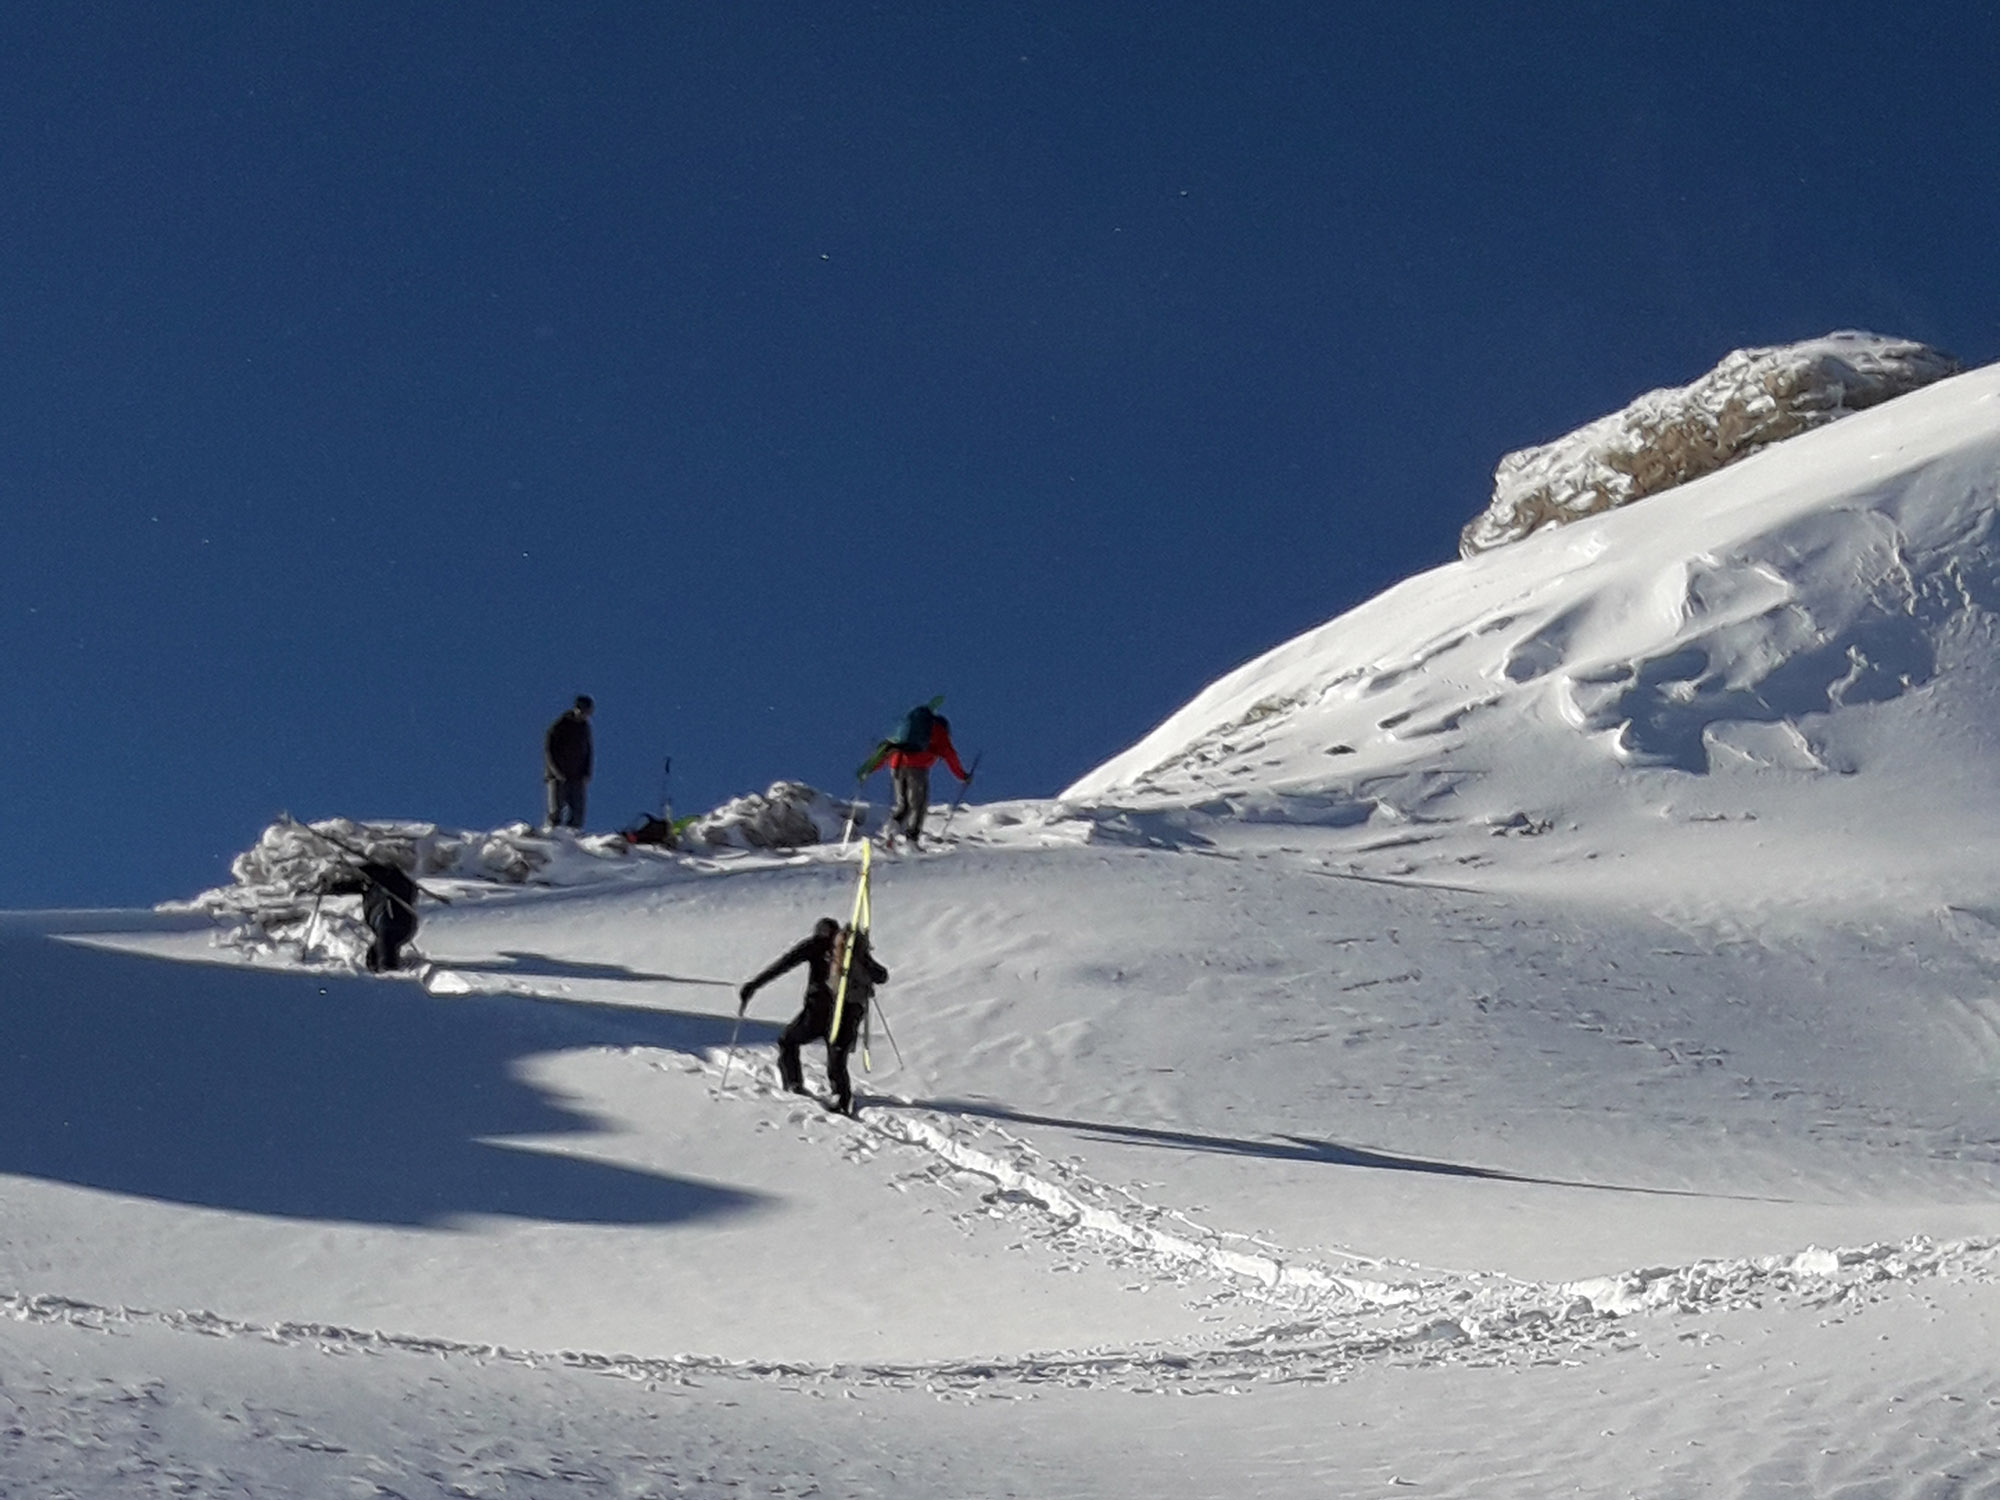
[(566, 798), (913, 799), (810, 1025), (392, 925)]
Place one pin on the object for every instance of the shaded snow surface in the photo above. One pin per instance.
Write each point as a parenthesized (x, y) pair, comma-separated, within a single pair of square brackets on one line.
[(1539, 1033)]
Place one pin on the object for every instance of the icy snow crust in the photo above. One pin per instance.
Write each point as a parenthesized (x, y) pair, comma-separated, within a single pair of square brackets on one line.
[(1535, 1034)]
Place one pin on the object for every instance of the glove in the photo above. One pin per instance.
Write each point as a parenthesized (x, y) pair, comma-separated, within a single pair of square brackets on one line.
[(743, 998)]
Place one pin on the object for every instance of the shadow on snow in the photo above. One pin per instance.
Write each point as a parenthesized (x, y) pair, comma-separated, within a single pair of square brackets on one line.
[(518, 963), (1296, 1148), (308, 1095)]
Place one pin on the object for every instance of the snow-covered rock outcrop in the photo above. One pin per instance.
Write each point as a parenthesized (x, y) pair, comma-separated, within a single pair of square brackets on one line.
[(293, 861), (1755, 397), (295, 857), (788, 816), (278, 901)]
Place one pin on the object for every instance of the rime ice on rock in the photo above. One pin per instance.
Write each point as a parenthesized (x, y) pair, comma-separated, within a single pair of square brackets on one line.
[(788, 816), (275, 897), (1754, 398)]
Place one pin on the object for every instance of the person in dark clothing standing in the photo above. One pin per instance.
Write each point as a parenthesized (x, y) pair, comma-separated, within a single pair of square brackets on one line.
[(388, 906), (566, 763), (821, 954)]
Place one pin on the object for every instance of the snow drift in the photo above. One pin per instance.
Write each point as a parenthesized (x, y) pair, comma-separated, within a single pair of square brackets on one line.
[(1819, 613)]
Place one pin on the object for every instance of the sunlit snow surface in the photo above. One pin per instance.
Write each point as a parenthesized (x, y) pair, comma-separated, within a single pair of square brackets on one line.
[(1539, 1033)]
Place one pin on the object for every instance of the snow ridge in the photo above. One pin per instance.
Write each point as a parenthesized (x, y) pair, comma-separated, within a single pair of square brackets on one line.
[(1816, 615)]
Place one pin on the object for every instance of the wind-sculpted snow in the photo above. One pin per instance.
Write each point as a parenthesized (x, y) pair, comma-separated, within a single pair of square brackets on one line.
[(298, 858), (1665, 438), (1823, 611), (293, 861)]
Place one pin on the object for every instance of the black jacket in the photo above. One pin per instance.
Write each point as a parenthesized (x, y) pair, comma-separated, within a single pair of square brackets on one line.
[(388, 895), (817, 954), (566, 748)]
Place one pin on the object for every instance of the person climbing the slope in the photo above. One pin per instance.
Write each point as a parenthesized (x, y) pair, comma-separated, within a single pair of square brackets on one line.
[(922, 739), (566, 754), (821, 954)]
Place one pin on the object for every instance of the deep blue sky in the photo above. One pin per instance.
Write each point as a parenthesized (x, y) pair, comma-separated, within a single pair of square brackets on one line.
[(375, 377)]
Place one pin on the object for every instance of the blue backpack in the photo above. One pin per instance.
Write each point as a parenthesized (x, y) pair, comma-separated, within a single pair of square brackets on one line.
[(913, 730)]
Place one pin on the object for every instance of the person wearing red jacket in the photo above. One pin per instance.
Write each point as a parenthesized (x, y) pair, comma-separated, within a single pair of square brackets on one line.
[(910, 772)]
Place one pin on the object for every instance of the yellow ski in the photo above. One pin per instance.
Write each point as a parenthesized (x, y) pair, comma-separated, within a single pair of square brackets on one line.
[(857, 923)]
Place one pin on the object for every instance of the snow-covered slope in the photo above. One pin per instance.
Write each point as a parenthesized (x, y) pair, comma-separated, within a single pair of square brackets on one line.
[(1805, 639), (1412, 1068)]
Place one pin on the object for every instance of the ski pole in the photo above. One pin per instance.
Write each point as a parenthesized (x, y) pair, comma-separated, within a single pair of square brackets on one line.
[(730, 1061), (311, 923), (877, 1007), (853, 811), (952, 812)]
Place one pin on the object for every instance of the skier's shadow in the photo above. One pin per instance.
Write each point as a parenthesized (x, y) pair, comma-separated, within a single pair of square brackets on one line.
[(1295, 1148), (314, 1096), (515, 962)]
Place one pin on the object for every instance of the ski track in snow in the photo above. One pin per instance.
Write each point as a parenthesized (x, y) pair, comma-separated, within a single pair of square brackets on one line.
[(1328, 1323), (1335, 1321), (1450, 1321)]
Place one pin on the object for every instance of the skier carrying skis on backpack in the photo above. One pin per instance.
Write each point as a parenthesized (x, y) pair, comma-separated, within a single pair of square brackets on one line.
[(923, 738), (821, 954)]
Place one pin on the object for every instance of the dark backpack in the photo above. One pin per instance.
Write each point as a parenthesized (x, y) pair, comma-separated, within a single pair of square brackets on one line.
[(913, 731), (654, 832)]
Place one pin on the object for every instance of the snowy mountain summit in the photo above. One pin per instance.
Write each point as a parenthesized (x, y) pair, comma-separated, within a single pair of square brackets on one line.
[(1665, 438), (1782, 675)]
